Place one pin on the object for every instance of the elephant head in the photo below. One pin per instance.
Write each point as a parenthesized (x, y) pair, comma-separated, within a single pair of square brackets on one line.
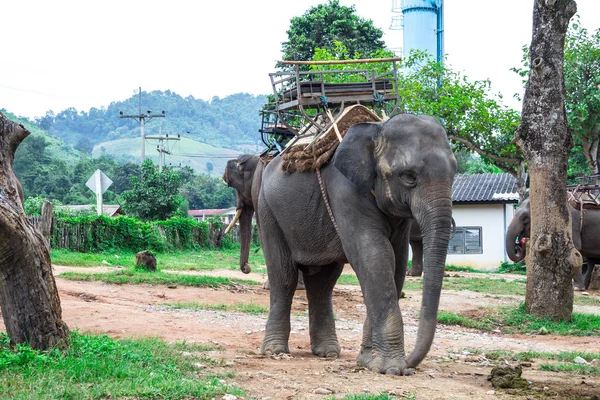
[(408, 165), (239, 175), (518, 231)]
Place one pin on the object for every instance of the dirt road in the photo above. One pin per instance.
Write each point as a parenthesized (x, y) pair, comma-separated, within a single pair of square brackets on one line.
[(450, 371)]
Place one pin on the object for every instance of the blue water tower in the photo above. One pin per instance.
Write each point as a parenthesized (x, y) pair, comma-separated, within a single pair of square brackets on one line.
[(423, 24)]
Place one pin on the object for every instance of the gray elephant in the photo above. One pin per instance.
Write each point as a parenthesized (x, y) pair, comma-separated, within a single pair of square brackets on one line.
[(244, 174), (416, 244), (381, 175), (240, 175), (586, 239)]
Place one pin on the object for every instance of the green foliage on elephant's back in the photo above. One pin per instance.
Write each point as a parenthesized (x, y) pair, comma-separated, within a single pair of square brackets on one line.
[(100, 233)]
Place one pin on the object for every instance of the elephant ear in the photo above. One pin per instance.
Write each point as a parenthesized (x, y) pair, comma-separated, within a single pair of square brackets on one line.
[(355, 156)]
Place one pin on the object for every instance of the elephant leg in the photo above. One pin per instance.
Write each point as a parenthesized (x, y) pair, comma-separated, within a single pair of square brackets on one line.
[(587, 276), (319, 290), (416, 268), (300, 285), (383, 349), (283, 278), (578, 281)]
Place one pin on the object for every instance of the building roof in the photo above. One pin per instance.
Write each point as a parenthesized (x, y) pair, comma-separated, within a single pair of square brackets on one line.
[(212, 211), (110, 210), (496, 188)]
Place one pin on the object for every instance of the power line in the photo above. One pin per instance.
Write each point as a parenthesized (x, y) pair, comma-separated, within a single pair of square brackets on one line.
[(142, 118)]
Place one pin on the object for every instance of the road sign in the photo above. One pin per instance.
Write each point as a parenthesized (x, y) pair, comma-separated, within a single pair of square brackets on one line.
[(99, 183)]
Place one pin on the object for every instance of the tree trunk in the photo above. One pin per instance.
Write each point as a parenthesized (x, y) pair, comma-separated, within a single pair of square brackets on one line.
[(46, 221), (545, 140), (28, 295)]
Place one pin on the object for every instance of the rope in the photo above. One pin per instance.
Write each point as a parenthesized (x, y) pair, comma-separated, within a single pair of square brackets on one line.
[(326, 201)]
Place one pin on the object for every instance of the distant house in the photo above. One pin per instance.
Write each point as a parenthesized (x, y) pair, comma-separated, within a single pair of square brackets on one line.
[(226, 214), (108, 210), (482, 207)]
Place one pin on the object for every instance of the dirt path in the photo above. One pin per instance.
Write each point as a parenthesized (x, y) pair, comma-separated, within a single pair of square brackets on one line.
[(448, 372)]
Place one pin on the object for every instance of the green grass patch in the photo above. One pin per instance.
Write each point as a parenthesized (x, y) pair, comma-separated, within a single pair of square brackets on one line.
[(516, 320), (582, 369), (136, 276), (486, 285), (512, 268), (565, 356), (586, 301), (177, 260), (448, 318), (368, 396), (455, 268), (246, 308), (96, 367)]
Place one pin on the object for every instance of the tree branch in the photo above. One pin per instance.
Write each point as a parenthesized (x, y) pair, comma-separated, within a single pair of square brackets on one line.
[(471, 146)]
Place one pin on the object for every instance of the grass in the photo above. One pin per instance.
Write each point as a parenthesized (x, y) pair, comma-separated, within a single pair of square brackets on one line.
[(510, 268), (565, 360), (455, 268), (136, 276), (582, 369), (586, 300), (96, 367), (516, 320), (487, 286), (200, 260), (246, 308)]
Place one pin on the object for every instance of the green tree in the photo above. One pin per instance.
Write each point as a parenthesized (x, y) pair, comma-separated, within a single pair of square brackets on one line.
[(474, 117), (323, 25), (122, 176), (207, 192), (155, 196), (582, 80)]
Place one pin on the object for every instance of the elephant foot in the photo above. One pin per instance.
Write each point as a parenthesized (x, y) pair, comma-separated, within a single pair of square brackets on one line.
[(267, 285), (329, 349), (390, 366), (271, 348), (414, 272), (578, 287), (365, 356)]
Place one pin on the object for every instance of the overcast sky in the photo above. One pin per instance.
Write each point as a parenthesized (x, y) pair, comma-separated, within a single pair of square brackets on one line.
[(59, 54)]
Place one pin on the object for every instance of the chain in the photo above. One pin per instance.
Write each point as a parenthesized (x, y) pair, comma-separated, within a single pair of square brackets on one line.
[(326, 201)]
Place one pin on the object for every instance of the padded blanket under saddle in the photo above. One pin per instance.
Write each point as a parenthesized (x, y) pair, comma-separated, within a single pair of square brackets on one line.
[(300, 158)]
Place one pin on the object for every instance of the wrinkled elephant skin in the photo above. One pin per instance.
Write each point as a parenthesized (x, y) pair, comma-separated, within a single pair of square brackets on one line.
[(381, 176)]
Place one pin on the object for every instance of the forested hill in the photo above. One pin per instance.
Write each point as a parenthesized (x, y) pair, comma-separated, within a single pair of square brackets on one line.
[(230, 122)]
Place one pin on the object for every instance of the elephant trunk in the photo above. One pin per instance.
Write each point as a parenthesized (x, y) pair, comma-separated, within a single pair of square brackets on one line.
[(435, 220), (245, 237), (514, 248)]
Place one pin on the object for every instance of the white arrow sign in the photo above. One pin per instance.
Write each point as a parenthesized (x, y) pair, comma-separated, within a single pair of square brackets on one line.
[(99, 183)]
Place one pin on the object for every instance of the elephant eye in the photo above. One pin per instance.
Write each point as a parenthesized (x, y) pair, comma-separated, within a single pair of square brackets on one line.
[(409, 178)]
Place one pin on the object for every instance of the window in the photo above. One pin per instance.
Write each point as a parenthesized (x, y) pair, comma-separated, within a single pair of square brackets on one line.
[(466, 240)]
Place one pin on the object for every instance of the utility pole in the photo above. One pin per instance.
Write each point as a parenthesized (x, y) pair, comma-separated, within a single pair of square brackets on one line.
[(161, 148), (142, 118)]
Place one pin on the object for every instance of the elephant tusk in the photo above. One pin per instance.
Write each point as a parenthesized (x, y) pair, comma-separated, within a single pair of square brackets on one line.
[(238, 214)]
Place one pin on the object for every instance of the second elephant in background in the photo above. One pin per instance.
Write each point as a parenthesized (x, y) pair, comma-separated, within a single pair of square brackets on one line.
[(244, 174)]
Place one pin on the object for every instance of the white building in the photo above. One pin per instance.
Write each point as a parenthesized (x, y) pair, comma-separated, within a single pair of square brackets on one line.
[(482, 207)]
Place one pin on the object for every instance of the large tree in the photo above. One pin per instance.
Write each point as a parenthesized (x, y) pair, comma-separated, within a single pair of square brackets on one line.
[(545, 140), (28, 295), (323, 25)]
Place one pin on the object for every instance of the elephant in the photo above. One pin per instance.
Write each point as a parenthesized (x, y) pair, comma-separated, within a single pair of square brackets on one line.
[(357, 209), (240, 175), (585, 239), (416, 244), (244, 174)]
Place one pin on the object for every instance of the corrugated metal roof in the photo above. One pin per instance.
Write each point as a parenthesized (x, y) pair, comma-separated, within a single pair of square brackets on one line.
[(485, 187)]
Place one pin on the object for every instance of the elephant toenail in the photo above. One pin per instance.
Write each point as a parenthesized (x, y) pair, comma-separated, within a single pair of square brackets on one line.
[(393, 371)]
